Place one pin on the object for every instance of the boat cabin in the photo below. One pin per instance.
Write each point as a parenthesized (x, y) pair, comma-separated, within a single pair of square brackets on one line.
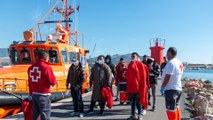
[(25, 52)]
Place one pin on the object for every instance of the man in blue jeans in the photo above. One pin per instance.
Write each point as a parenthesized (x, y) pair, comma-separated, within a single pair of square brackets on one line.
[(136, 85)]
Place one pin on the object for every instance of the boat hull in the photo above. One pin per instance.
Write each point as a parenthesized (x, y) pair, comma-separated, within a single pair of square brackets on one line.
[(11, 105)]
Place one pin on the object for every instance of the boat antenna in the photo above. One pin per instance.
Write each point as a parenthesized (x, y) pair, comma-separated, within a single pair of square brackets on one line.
[(49, 16), (93, 49), (47, 13)]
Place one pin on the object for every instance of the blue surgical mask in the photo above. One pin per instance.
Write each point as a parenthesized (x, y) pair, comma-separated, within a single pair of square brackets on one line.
[(75, 63), (107, 60)]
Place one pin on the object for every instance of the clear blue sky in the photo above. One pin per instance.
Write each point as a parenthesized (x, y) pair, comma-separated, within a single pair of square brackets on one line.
[(124, 26)]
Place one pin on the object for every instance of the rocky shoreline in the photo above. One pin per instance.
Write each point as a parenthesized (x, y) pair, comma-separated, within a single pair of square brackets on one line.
[(199, 98)]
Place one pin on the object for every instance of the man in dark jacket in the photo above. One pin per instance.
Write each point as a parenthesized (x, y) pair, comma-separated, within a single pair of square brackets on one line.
[(75, 80), (163, 65), (145, 58), (108, 61), (154, 70), (41, 78)]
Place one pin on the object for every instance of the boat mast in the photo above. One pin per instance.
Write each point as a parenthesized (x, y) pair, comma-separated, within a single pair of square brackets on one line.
[(67, 15)]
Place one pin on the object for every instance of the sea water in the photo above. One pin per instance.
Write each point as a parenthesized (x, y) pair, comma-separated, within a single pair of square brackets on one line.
[(197, 74)]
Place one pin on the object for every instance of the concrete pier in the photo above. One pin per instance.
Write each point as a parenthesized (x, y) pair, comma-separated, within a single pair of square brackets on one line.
[(61, 110)]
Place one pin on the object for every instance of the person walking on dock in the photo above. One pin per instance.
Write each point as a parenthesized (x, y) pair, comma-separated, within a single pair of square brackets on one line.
[(101, 76), (119, 67), (108, 61), (41, 78), (144, 61), (75, 80), (121, 82), (171, 86), (136, 85), (154, 71)]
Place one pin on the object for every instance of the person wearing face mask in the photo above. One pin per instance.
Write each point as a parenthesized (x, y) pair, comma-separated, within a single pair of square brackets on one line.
[(154, 70), (136, 86), (108, 61), (75, 80), (100, 77), (121, 81), (118, 68)]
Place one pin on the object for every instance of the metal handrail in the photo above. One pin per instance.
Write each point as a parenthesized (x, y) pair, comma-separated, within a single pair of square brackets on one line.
[(18, 88)]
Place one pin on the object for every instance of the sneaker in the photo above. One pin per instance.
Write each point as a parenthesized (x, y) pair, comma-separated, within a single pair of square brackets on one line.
[(139, 117), (116, 99), (90, 112), (81, 115), (128, 103), (131, 117), (121, 103), (153, 109), (74, 114), (101, 112), (143, 112)]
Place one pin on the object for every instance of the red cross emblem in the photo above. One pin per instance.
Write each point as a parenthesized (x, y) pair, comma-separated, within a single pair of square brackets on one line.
[(35, 74), (181, 67), (124, 74)]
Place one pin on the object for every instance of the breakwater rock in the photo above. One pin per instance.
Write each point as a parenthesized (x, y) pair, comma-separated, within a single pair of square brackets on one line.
[(200, 96)]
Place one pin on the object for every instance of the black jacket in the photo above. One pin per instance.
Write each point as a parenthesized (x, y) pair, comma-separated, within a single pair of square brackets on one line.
[(111, 65), (154, 73), (75, 76)]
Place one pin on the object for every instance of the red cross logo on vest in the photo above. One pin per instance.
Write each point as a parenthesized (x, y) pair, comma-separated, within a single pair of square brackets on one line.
[(181, 67), (124, 74), (35, 74)]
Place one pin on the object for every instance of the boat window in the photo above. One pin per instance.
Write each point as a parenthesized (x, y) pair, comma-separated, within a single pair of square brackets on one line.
[(64, 56), (14, 56), (36, 54), (77, 56), (35, 51), (53, 56), (71, 56), (25, 56), (83, 61)]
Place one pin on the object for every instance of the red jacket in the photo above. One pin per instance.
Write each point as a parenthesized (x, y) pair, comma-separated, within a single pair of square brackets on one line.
[(133, 78), (40, 77), (118, 66), (137, 81), (143, 85), (27, 109), (121, 75), (147, 75), (107, 95)]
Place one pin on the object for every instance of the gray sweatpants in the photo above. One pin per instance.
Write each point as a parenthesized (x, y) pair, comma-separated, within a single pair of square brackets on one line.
[(41, 106)]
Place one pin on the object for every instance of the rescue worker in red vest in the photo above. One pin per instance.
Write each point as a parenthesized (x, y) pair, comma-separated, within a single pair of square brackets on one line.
[(75, 80), (121, 79), (41, 78), (119, 66), (136, 86), (171, 86)]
